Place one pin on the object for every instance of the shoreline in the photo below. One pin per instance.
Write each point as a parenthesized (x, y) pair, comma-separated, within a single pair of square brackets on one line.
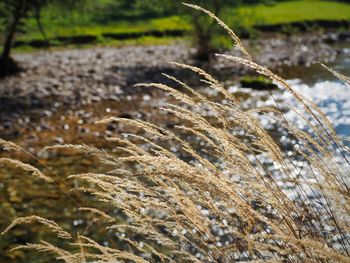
[(71, 79), (73, 76)]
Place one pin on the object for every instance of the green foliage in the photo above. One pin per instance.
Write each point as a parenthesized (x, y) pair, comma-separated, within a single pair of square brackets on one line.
[(257, 82), (121, 16), (157, 6), (13, 12)]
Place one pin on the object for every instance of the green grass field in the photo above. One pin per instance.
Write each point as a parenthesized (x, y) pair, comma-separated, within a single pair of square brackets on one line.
[(94, 21), (76, 28), (293, 11)]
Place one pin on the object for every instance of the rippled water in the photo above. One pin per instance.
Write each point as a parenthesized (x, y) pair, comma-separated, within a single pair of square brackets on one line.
[(331, 94), (320, 86), (333, 98)]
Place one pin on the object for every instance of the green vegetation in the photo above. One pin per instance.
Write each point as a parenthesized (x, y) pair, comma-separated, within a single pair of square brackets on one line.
[(12, 13), (258, 83), (89, 20), (294, 11), (62, 28)]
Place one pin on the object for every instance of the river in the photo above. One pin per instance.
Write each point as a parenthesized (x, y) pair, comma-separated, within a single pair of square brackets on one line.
[(331, 94)]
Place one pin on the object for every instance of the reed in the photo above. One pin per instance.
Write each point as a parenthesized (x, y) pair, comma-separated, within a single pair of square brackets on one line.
[(218, 188)]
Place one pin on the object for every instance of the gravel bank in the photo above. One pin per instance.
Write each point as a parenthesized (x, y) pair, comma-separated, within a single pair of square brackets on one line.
[(75, 77)]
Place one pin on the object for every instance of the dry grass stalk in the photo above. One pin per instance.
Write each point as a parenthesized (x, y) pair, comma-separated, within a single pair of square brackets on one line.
[(26, 167), (221, 195), (337, 74), (48, 223), (9, 146)]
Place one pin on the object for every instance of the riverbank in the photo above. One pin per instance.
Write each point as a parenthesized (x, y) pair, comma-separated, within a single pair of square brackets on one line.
[(107, 23), (86, 75), (62, 80)]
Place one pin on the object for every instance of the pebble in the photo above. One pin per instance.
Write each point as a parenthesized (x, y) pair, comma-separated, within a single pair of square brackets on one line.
[(59, 140), (7, 125), (46, 113), (82, 76)]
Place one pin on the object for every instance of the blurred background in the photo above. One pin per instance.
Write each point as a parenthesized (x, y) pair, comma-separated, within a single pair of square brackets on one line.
[(65, 64), (67, 23)]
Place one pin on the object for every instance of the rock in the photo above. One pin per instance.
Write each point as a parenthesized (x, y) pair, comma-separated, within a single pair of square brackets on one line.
[(125, 116), (45, 127), (344, 36), (83, 130), (7, 125), (111, 127), (46, 113), (59, 140)]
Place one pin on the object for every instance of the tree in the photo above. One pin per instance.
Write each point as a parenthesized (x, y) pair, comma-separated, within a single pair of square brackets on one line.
[(13, 12), (203, 26)]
